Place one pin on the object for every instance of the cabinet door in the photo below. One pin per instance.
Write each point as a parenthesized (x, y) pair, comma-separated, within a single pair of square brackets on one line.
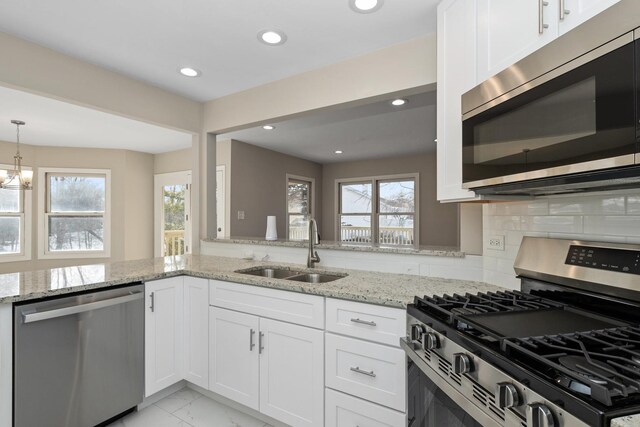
[(509, 30), (291, 373), (578, 11), (233, 356), (196, 331), (456, 75), (163, 333)]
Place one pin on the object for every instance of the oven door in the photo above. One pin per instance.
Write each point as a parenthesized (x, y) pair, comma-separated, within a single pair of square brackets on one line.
[(429, 406), (576, 118)]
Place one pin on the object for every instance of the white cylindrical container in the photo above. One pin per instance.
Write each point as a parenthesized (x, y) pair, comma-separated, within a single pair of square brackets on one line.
[(272, 232)]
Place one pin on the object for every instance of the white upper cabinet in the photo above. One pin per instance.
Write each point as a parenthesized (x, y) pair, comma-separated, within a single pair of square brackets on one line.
[(574, 12), (509, 30), (456, 75)]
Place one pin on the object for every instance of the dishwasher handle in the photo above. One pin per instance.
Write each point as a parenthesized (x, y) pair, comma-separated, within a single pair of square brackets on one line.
[(75, 309)]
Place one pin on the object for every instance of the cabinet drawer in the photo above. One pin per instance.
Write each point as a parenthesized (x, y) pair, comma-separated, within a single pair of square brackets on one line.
[(292, 307), (343, 410), (370, 322), (371, 371)]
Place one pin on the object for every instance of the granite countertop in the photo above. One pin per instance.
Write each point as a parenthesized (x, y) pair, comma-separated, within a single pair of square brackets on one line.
[(443, 251), (395, 290), (628, 421)]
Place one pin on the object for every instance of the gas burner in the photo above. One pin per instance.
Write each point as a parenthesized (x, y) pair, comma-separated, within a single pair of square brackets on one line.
[(591, 370)]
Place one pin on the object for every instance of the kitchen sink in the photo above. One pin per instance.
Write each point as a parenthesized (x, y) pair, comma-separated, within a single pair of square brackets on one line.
[(298, 276), (315, 278), (273, 273)]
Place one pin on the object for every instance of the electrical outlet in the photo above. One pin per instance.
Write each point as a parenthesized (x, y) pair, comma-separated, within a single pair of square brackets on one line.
[(496, 243), (240, 214)]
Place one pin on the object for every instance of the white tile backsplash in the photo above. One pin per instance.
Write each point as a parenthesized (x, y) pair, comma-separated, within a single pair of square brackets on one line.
[(606, 217)]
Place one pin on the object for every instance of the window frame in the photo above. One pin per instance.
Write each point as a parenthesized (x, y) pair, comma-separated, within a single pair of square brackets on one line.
[(375, 205), (44, 214), (26, 215), (312, 195)]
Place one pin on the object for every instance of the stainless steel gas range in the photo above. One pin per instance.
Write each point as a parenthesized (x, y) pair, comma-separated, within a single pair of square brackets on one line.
[(563, 351)]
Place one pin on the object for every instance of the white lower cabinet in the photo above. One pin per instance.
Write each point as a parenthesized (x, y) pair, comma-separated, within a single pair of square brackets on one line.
[(343, 410), (233, 356), (163, 333), (196, 331), (371, 371), (268, 365)]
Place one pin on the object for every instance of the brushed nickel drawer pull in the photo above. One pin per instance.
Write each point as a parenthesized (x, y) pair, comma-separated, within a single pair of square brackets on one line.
[(360, 371), (364, 322)]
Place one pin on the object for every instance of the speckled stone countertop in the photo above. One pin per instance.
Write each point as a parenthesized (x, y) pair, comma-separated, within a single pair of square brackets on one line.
[(444, 251), (395, 290), (629, 421)]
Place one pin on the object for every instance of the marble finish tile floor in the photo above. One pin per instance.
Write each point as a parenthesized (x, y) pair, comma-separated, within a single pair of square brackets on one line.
[(188, 408)]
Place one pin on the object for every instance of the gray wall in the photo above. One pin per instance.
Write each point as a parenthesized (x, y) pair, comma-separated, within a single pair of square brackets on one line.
[(438, 221), (258, 178)]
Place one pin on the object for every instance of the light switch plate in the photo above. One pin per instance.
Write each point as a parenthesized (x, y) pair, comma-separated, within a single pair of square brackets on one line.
[(496, 243), (240, 214)]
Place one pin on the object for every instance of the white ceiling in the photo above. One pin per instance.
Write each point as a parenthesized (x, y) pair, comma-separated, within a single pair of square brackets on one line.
[(371, 131), (56, 123), (150, 39)]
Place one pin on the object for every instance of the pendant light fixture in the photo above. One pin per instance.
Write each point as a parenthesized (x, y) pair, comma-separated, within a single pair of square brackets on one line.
[(16, 179)]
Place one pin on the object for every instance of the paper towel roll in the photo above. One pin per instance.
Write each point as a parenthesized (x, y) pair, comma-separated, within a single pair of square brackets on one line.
[(272, 232)]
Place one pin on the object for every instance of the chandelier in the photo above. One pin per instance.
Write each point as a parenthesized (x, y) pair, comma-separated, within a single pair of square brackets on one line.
[(16, 179)]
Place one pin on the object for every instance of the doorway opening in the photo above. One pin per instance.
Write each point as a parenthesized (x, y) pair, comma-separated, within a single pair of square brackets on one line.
[(172, 209)]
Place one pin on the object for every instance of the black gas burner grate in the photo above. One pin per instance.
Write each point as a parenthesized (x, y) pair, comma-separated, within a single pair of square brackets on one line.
[(605, 362), (448, 306)]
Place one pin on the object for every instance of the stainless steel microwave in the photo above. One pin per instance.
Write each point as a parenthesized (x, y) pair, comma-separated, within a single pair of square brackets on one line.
[(570, 128)]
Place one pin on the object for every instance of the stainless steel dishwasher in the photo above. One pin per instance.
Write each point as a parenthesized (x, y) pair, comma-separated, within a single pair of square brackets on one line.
[(78, 360)]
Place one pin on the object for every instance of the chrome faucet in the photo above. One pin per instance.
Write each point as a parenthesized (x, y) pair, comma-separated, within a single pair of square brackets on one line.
[(312, 257)]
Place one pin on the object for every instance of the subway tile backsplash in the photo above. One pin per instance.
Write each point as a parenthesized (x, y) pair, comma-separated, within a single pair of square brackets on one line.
[(608, 217)]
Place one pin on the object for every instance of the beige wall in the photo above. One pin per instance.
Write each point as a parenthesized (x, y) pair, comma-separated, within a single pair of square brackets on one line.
[(438, 222), (173, 161), (405, 68), (131, 199), (258, 187)]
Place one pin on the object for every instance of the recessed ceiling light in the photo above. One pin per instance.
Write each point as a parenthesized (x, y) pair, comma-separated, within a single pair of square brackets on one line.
[(338, 151), (189, 72), (365, 6), (272, 37), (268, 127), (398, 102)]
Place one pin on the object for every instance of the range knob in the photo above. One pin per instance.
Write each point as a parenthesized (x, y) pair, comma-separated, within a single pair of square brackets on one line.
[(539, 415), (507, 395), (417, 330), (462, 363), (430, 341)]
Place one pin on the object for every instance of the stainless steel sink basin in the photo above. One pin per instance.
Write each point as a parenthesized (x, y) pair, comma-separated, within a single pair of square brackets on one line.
[(315, 278), (273, 273)]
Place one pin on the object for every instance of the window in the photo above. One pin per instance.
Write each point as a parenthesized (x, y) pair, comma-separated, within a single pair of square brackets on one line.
[(15, 224), (378, 210), (299, 207), (75, 221)]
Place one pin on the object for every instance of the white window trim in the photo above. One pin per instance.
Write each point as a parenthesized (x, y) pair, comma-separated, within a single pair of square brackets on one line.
[(25, 232), (43, 235), (374, 201), (312, 199)]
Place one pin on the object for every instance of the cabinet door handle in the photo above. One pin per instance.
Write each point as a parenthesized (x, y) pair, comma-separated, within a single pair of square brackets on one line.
[(360, 371), (260, 346), (563, 11), (153, 302), (541, 24), (251, 344), (364, 322)]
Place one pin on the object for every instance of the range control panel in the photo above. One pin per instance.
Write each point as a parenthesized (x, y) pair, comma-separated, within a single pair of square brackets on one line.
[(621, 260)]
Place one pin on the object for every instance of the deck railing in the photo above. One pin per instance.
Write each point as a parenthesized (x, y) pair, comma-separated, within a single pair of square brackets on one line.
[(388, 235), (173, 242)]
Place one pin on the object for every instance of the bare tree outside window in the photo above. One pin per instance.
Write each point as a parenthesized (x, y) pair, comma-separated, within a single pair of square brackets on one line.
[(298, 208)]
